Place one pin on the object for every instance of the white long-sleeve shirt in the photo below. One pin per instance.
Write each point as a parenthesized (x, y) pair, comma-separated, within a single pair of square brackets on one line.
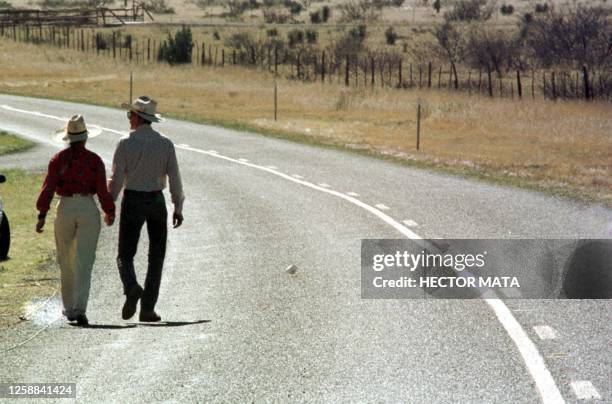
[(142, 161)]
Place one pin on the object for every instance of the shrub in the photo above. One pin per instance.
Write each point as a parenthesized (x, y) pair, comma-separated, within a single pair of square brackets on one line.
[(216, 35), (325, 13), (311, 36), (527, 18), (390, 36), (272, 32), (158, 7), (437, 5), (469, 10), (294, 7), (397, 3), (541, 8), (359, 32), (351, 43), (315, 17), (359, 10), (5, 5), (177, 50), (295, 37), (507, 9), (271, 16)]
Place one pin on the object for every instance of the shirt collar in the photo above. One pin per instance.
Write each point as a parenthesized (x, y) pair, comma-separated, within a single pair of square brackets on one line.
[(142, 128)]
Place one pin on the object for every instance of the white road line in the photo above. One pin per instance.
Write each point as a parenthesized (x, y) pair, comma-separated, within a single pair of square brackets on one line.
[(324, 185), (183, 145), (545, 384), (410, 223), (272, 167), (382, 206), (213, 151), (545, 331), (585, 390), (299, 177), (243, 160), (353, 194)]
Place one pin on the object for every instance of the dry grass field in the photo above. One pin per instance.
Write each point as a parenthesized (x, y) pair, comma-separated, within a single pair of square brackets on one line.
[(560, 147)]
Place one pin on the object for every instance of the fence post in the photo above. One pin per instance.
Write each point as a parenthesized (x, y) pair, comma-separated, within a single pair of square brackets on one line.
[(519, 86), (276, 61), (554, 86), (418, 134), (323, 67), (346, 71), (429, 75), (399, 69), (373, 65), (411, 81), (420, 75), (275, 100), (490, 80), (585, 79)]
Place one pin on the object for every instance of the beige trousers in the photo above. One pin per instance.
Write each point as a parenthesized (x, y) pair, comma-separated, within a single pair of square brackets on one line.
[(77, 228)]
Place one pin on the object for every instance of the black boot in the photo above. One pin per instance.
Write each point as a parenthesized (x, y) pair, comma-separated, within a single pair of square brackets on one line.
[(131, 301)]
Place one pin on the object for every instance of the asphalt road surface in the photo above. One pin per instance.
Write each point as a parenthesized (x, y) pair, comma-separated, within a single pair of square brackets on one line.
[(238, 328)]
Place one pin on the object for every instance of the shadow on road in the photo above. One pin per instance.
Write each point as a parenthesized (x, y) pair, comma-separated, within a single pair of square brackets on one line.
[(105, 326), (172, 323)]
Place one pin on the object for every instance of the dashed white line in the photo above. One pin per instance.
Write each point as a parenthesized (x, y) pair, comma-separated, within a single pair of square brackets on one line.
[(545, 331), (585, 390), (353, 194), (382, 206), (545, 384), (410, 223)]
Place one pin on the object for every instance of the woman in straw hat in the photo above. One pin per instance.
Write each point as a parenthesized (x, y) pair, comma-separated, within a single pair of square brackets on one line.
[(76, 174)]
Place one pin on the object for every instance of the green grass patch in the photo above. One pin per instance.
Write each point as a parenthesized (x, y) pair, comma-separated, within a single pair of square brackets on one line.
[(13, 144)]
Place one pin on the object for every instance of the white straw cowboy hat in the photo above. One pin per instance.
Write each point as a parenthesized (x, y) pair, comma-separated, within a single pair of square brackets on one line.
[(146, 108), (76, 130)]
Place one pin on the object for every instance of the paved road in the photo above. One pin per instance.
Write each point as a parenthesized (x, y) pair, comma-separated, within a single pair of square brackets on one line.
[(240, 329)]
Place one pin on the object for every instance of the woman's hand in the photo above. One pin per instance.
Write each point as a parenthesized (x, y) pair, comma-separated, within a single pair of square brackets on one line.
[(109, 220), (40, 225)]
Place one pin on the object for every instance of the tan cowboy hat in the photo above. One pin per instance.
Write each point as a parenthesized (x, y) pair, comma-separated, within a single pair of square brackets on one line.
[(145, 107), (77, 131)]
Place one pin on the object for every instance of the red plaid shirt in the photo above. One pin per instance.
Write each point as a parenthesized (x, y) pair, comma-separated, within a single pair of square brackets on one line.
[(75, 171)]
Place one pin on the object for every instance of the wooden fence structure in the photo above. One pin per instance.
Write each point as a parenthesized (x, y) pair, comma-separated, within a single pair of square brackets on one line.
[(373, 70), (100, 16)]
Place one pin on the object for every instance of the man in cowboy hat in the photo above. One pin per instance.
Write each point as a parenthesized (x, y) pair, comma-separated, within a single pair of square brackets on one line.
[(142, 162)]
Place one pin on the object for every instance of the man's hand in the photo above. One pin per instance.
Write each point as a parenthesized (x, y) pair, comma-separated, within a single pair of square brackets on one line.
[(109, 220), (40, 225), (177, 219)]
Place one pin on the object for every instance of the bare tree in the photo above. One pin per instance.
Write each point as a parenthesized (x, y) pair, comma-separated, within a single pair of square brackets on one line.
[(450, 45), (495, 48), (577, 36)]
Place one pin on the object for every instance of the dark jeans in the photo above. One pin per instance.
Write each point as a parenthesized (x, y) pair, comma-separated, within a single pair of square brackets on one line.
[(136, 209)]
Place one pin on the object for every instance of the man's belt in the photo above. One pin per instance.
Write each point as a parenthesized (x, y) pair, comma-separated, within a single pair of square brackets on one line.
[(142, 194)]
